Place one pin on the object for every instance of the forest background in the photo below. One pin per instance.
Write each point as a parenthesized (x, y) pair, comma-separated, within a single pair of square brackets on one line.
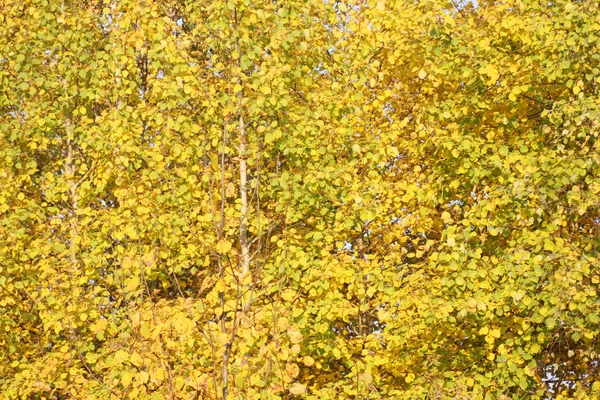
[(302, 199)]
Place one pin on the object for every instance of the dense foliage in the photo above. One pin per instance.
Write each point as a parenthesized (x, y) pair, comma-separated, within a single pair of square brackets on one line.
[(309, 198)]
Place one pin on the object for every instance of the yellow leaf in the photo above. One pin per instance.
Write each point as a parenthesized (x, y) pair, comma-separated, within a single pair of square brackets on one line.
[(446, 217), (422, 74), (133, 283), (393, 151), (287, 295), (246, 279), (220, 286), (491, 72), (136, 360), (148, 259), (294, 335), (126, 378), (230, 190), (308, 361), (365, 377), (409, 378), (143, 376), (297, 389), (223, 246), (451, 242)]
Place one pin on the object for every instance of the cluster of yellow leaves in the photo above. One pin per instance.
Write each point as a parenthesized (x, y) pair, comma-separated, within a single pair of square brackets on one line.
[(421, 206)]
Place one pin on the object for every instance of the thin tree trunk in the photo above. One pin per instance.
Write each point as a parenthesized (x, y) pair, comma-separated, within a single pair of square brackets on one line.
[(245, 247), (243, 235), (70, 170)]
